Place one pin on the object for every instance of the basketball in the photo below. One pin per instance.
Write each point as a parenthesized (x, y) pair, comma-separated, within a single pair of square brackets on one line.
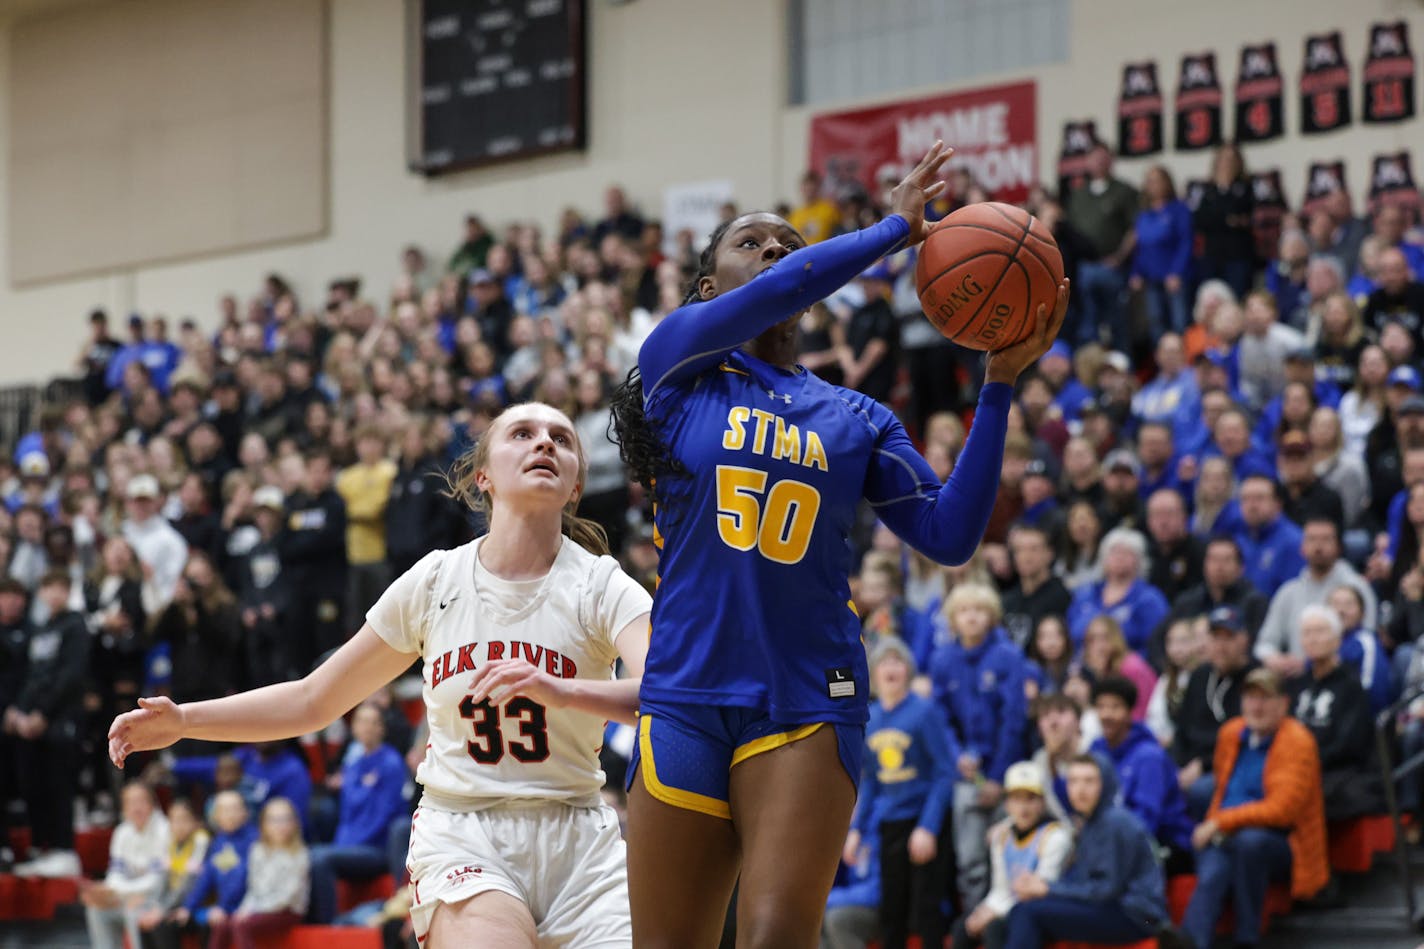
[(984, 271)]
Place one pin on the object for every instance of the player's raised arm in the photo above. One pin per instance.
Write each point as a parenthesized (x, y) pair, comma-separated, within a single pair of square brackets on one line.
[(946, 522), (751, 253), (271, 713)]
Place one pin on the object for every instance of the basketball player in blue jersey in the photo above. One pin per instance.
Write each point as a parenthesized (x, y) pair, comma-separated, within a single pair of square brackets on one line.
[(754, 697)]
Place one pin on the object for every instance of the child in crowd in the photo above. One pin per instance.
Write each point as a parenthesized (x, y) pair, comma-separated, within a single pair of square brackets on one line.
[(905, 791), (187, 848), (218, 891), (978, 679), (1029, 840), (138, 861), (278, 883), (1185, 645)]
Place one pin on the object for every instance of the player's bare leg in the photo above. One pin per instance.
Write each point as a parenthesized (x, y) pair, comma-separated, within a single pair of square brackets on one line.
[(492, 920), (792, 808), (682, 867)]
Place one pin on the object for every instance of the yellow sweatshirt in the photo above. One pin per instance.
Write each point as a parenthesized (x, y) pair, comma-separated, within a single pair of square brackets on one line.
[(366, 489)]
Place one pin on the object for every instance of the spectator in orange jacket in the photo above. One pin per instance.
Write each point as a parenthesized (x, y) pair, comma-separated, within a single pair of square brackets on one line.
[(1266, 823)]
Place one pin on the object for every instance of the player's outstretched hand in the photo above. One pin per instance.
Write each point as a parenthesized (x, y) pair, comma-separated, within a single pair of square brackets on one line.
[(502, 679), (156, 723), (920, 187), (1006, 364)]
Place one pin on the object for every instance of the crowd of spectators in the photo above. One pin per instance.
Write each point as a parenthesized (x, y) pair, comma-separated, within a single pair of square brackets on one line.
[(1209, 521)]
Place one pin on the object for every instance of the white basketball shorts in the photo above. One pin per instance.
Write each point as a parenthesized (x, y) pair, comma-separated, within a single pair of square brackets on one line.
[(567, 864)]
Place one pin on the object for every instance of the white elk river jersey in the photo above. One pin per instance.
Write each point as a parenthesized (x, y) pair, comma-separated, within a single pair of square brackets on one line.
[(459, 616)]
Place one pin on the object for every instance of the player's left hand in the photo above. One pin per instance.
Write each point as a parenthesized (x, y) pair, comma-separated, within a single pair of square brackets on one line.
[(923, 846), (502, 679), (1005, 365)]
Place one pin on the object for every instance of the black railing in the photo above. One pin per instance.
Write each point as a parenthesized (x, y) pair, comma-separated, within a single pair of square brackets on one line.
[(1385, 730), (20, 406)]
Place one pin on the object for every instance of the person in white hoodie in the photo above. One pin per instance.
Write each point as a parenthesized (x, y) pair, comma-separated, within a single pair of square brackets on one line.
[(138, 866), (161, 549)]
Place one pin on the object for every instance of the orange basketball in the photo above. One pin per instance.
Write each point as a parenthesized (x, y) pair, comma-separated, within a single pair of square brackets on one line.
[(984, 271)]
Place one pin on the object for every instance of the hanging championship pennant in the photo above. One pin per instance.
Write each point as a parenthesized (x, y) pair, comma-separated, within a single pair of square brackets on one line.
[(1139, 111), (1324, 85), (1269, 211), (1198, 104), (1079, 138), (1260, 111), (1389, 74), (1392, 182), (1323, 179)]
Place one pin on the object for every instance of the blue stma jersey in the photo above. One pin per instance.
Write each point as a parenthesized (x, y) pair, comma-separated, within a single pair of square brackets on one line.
[(753, 607)]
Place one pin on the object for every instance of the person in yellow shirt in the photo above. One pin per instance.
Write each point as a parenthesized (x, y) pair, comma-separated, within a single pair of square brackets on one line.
[(366, 489), (818, 217)]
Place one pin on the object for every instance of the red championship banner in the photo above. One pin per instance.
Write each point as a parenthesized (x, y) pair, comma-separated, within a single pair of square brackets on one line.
[(993, 131)]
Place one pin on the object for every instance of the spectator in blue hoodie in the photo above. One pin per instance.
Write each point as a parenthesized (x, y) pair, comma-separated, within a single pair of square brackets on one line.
[(372, 785), (1122, 593), (222, 882), (905, 788), (1147, 775), (1231, 438), (270, 769), (1111, 889), (1270, 543), (978, 677), (1163, 254)]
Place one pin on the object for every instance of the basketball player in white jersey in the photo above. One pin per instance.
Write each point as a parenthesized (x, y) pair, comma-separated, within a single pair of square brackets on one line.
[(512, 845)]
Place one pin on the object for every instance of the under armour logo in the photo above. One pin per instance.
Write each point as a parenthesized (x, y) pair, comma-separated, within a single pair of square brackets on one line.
[(777, 395)]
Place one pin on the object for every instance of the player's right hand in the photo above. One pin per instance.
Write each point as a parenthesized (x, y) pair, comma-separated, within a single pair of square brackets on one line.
[(156, 723), (502, 679), (921, 186)]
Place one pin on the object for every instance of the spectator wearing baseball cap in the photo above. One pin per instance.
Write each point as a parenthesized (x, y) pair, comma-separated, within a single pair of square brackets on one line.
[(1305, 495), (1028, 840), (1213, 696), (1223, 583), (1266, 822), (1112, 889), (905, 791), (1387, 444), (160, 548), (1121, 505)]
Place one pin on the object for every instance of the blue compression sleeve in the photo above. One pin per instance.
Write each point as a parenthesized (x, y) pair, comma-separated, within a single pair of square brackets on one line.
[(696, 337), (943, 522)]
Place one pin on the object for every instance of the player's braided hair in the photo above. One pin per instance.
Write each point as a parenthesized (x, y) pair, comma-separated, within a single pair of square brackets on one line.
[(460, 485), (643, 452)]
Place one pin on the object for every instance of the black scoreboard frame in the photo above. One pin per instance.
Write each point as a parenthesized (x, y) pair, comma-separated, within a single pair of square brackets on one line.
[(577, 28)]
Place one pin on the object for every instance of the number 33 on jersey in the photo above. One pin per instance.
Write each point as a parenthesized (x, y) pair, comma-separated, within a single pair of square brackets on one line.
[(458, 616)]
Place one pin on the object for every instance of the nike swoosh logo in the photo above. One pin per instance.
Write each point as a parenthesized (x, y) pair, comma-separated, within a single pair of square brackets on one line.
[(445, 603)]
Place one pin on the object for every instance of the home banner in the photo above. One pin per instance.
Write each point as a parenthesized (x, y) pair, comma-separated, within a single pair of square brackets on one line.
[(1324, 85), (994, 132), (1260, 95), (1139, 111), (1389, 74)]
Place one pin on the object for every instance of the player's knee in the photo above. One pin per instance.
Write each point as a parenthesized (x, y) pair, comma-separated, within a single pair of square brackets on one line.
[(768, 926)]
